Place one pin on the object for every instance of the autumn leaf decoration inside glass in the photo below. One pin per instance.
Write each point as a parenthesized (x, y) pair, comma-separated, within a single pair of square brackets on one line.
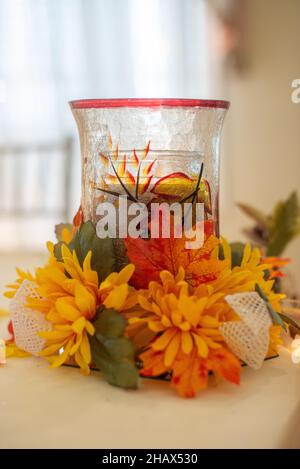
[(143, 177)]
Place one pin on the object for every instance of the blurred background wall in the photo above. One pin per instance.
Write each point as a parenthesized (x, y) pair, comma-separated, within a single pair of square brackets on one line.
[(56, 50), (261, 154)]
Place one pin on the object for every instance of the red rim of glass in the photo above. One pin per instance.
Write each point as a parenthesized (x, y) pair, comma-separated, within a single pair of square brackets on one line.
[(148, 102)]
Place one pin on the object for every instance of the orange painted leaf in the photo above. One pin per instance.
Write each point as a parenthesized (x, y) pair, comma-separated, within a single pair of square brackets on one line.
[(144, 184), (116, 153), (111, 179), (129, 178), (122, 167), (146, 151), (135, 160), (148, 168)]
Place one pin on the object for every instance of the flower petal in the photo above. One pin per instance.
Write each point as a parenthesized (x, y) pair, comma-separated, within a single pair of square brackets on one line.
[(162, 342), (144, 303), (156, 326), (201, 346), (79, 325), (186, 342), (53, 335), (51, 349), (85, 348), (85, 301), (90, 328), (125, 274), (66, 310), (171, 350), (63, 356), (117, 297), (84, 367)]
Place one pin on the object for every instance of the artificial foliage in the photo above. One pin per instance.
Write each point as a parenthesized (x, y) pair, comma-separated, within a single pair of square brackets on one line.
[(276, 230), (113, 353)]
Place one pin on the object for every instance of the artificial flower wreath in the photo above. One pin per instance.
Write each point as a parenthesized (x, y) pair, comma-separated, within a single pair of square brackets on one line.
[(162, 312)]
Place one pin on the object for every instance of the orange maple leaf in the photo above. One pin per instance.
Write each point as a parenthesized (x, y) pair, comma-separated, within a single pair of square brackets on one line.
[(152, 256)]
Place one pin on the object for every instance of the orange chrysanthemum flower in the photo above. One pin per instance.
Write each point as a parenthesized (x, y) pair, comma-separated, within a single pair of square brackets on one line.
[(187, 343)]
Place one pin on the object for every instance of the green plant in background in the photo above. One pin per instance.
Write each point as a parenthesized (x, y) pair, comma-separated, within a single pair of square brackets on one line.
[(274, 231)]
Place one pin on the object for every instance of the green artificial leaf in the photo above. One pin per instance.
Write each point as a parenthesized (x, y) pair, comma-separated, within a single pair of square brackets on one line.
[(285, 225), (103, 255), (237, 252), (57, 250), (112, 353), (110, 323), (59, 229), (260, 218), (276, 318)]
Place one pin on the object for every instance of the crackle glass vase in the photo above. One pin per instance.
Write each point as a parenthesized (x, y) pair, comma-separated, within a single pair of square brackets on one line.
[(162, 150)]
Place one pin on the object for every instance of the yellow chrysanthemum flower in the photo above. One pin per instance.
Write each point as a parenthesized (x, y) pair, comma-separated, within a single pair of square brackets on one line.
[(243, 278), (114, 291), (60, 279), (71, 325), (70, 296), (14, 287)]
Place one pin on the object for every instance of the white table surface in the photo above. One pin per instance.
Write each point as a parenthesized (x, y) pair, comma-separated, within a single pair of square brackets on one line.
[(43, 408)]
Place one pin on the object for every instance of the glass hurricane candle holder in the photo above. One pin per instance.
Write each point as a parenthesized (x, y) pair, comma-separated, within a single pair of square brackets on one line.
[(162, 150)]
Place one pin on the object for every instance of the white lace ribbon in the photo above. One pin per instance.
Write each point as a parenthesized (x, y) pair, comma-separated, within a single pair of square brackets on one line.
[(27, 322), (248, 338)]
